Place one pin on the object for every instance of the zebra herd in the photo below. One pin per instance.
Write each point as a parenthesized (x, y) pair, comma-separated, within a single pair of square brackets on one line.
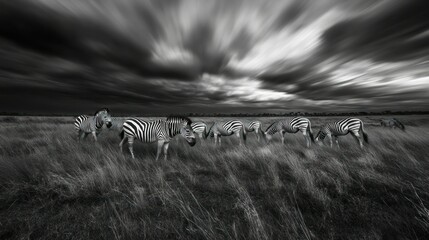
[(164, 130)]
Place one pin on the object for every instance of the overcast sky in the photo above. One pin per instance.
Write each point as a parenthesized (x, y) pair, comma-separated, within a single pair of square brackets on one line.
[(136, 56)]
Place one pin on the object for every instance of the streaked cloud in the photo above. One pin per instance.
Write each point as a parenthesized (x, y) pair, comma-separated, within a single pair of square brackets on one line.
[(226, 55)]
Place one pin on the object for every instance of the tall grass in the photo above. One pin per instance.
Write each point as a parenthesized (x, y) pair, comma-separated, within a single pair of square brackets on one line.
[(53, 187)]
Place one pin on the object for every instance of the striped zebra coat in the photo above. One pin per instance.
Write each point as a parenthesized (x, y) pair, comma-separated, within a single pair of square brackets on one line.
[(341, 128), (290, 125), (85, 125), (253, 126), (200, 128), (161, 131), (228, 128)]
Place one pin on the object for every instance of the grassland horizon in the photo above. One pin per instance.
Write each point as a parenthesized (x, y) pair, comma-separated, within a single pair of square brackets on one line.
[(54, 187)]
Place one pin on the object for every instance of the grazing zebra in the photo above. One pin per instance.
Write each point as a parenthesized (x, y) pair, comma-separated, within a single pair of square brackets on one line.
[(200, 128), (290, 126), (392, 123), (253, 126), (228, 128), (343, 127), (161, 131), (85, 125)]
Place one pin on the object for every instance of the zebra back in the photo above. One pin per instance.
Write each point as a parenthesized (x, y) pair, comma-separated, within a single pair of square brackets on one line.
[(78, 121), (291, 125), (252, 125), (143, 130)]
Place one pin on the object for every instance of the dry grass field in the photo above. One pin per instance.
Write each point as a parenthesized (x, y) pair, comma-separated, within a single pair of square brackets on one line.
[(53, 187)]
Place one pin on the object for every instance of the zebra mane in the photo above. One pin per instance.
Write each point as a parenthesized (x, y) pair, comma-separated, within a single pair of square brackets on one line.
[(209, 130), (211, 127), (102, 109), (318, 134), (270, 126), (179, 118)]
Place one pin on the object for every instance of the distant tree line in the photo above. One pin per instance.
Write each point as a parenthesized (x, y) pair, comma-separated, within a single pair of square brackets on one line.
[(307, 114), (283, 114)]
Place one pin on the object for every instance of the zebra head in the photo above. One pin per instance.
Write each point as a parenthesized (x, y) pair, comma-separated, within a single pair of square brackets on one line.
[(188, 134), (268, 136), (186, 131), (103, 116), (320, 137), (209, 132), (269, 132)]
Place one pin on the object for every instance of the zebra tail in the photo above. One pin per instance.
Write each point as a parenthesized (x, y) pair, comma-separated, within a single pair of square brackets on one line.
[(121, 134), (243, 133), (365, 135), (207, 133), (261, 132), (310, 132)]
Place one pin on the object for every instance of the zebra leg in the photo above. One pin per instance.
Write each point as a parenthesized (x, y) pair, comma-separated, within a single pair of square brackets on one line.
[(85, 135), (130, 145), (165, 150), (257, 134), (94, 134), (238, 136), (220, 140), (336, 141), (307, 138), (81, 135), (158, 152), (330, 139), (282, 134), (122, 143), (357, 136)]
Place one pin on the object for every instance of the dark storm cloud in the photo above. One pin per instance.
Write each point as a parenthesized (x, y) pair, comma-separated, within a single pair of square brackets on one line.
[(396, 31), (43, 30), (154, 56), (209, 60)]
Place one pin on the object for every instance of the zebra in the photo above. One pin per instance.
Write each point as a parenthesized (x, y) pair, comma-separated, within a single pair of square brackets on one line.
[(392, 123), (290, 126), (161, 131), (228, 128), (200, 128), (253, 126), (85, 125), (343, 127)]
